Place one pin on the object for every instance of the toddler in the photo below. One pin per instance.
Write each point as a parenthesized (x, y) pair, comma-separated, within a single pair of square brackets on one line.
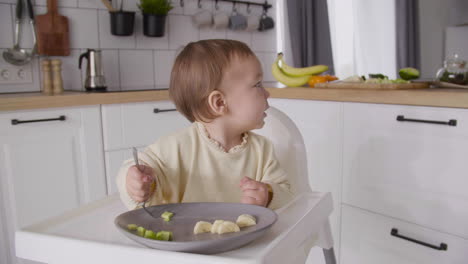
[(216, 85)]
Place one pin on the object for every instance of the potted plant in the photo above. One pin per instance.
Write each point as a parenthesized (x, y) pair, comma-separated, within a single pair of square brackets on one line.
[(154, 16)]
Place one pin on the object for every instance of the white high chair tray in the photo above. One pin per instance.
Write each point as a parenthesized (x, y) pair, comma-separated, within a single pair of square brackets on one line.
[(88, 235)]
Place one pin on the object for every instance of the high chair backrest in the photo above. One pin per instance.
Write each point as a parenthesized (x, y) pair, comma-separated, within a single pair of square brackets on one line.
[(289, 147)]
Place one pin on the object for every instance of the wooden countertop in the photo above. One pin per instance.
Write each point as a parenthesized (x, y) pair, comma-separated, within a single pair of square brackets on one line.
[(457, 98)]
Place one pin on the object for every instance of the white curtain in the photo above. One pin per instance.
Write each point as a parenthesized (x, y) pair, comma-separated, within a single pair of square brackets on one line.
[(363, 37)]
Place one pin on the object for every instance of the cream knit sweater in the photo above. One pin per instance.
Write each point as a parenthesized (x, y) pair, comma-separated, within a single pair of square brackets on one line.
[(191, 167)]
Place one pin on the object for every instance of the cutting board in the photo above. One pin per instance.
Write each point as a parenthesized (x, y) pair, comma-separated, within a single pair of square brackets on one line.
[(373, 86), (52, 32)]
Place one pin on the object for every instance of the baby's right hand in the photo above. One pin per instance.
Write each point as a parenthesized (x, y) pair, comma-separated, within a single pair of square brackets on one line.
[(138, 182)]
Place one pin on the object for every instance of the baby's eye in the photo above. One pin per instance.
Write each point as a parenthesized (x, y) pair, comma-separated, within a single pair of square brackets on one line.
[(259, 85)]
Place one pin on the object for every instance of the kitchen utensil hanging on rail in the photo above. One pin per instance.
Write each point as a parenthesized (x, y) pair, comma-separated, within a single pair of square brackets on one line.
[(18, 56)]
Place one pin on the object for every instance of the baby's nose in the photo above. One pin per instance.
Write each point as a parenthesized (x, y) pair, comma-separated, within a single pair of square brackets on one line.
[(267, 94)]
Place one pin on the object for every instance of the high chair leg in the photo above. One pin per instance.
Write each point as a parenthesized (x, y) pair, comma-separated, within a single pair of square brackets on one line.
[(329, 255)]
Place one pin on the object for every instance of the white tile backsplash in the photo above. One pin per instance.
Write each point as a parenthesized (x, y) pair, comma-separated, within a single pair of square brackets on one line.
[(110, 60), (239, 35), (163, 61), (267, 59), (6, 26), (264, 41), (83, 27), (131, 5), (177, 9), (191, 7), (136, 69), (91, 4), (182, 31), (133, 62), (211, 33)]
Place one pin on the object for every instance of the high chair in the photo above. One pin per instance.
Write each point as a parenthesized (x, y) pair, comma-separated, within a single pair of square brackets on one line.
[(88, 235)]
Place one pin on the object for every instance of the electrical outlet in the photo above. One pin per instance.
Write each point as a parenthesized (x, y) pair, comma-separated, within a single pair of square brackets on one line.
[(10, 74)]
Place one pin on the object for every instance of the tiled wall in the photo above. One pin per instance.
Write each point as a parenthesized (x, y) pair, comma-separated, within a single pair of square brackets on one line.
[(134, 62)]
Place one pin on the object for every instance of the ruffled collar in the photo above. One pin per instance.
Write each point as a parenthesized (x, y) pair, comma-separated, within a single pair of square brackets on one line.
[(202, 129)]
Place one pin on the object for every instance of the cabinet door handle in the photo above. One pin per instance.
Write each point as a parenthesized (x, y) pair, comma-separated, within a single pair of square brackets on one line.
[(17, 122), (451, 122), (157, 110), (394, 233)]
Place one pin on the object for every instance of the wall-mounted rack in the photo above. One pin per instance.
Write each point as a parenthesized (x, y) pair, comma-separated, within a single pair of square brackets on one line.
[(265, 5)]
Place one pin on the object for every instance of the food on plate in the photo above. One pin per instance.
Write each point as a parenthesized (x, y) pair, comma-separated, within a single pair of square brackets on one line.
[(167, 216), (146, 233), (202, 227), (214, 227), (245, 220), (132, 227), (291, 76), (164, 235), (141, 231), (227, 227), (408, 73), (150, 234)]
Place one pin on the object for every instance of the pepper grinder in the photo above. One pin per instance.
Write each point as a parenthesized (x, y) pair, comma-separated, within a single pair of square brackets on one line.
[(57, 74), (46, 77)]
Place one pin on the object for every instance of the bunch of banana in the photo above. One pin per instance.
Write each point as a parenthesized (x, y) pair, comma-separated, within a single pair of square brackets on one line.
[(294, 77)]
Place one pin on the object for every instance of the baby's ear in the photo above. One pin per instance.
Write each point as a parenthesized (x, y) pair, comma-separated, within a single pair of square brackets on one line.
[(217, 102)]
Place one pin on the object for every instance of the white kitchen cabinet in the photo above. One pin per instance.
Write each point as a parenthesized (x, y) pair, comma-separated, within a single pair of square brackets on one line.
[(135, 125), (366, 239), (413, 171), (47, 167), (139, 124), (114, 160), (320, 124)]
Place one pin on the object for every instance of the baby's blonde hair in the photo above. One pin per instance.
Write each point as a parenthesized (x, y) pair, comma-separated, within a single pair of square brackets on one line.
[(198, 70)]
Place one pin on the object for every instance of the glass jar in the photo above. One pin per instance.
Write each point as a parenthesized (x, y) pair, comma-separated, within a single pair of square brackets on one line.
[(454, 71)]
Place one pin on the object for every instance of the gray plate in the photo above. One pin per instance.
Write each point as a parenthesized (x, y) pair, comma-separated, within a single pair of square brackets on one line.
[(186, 215)]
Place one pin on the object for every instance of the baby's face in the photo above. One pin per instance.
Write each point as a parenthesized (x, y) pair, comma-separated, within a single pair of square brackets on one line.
[(246, 97)]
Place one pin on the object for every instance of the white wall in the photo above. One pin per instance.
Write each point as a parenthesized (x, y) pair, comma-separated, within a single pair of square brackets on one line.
[(134, 62)]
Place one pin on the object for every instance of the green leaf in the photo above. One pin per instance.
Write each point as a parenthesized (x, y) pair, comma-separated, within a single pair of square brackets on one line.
[(155, 7)]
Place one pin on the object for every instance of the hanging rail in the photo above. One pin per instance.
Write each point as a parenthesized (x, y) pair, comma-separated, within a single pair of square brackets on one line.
[(264, 5)]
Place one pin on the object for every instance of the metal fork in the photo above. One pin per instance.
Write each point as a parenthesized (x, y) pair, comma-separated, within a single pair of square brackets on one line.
[(135, 158)]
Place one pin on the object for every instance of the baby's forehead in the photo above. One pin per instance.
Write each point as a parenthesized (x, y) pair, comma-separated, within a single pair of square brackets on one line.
[(243, 67)]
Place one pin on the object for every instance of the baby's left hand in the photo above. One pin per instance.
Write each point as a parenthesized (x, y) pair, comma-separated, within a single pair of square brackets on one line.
[(254, 192)]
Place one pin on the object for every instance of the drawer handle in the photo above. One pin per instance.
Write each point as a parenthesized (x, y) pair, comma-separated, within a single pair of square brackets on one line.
[(442, 246), (451, 122), (17, 122), (157, 110)]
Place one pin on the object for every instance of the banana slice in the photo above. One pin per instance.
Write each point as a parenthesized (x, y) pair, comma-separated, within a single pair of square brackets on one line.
[(245, 220), (216, 224), (228, 227), (202, 227)]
